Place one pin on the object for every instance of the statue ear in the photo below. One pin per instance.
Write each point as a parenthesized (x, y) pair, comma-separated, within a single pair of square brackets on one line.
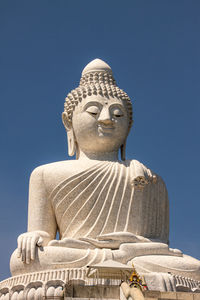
[(66, 122), (70, 134)]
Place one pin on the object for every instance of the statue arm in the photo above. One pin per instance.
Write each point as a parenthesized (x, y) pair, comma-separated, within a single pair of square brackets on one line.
[(153, 220), (42, 225), (40, 212)]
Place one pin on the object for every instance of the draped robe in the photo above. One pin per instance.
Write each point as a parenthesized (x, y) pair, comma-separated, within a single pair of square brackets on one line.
[(103, 199), (118, 199)]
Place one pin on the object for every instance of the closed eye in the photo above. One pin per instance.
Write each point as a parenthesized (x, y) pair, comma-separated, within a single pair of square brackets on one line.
[(117, 113), (93, 110)]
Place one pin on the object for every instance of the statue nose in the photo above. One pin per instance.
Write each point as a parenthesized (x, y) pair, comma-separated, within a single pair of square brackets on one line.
[(105, 118), (106, 122)]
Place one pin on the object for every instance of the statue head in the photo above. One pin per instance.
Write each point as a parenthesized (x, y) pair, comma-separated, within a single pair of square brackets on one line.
[(97, 114)]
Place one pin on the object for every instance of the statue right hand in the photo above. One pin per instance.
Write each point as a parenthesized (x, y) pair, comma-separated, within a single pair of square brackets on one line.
[(27, 243)]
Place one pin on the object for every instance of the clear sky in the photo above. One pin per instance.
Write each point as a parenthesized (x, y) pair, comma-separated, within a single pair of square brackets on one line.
[(153, 48)]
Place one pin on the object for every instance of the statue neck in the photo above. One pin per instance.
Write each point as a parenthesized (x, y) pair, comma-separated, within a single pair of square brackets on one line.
[(109, 156)]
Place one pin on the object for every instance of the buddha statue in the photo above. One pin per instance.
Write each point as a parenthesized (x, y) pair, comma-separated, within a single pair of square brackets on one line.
[(103, 207)]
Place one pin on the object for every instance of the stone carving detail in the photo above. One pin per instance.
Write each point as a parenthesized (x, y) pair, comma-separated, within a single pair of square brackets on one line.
[(39, 284), (186, 284), (103, 208), (53, 283), (96, 83)]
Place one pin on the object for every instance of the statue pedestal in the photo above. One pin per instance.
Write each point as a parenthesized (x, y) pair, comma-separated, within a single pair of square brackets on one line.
[(73, 284), (154, 295)]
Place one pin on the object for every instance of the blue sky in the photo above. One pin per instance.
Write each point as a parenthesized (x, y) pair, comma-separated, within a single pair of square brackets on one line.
[(153, 48)]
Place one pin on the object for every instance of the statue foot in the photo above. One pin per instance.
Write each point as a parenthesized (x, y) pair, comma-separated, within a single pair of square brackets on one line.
[(185, 265)]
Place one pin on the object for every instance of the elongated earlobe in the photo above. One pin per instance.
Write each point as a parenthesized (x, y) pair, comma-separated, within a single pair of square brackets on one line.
[(123, 151), (70, 134), (71, 142)]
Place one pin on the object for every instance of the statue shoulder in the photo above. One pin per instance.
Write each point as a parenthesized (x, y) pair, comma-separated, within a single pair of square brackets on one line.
[(54, 166), (51, 173), (142, 175)]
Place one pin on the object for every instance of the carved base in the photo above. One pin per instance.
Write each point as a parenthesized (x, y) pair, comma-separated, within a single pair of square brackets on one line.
[(170, 282), (39, 285), (73, 283)]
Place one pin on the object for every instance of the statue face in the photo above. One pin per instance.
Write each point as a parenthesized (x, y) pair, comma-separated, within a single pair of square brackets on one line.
[(100, 124)]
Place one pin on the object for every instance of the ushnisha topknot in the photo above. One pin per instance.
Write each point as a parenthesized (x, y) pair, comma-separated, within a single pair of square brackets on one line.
[(96, 79)]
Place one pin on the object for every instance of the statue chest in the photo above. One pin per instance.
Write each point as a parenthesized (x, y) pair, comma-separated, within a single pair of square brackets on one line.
[(94, 201), (102, 199)]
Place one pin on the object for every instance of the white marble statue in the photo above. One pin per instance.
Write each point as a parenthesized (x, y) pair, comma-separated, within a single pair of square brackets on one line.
[(103, 207)]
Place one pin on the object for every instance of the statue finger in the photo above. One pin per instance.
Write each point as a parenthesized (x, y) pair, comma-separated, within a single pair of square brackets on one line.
[(114, 244), (118, 236), (33, 247), (54, 243), (111, 244), (19, 247), (92, 241), (40, 241), (24, 249), (105, 237), (28, 250)]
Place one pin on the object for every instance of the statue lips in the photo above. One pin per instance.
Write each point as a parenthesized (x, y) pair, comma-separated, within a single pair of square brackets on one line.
[(105, 129)]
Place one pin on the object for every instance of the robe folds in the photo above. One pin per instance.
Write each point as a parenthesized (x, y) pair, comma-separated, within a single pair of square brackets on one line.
[(103, 199), (111, 211)]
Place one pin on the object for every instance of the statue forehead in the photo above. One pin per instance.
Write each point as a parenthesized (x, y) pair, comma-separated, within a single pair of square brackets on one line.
[(97, 99)]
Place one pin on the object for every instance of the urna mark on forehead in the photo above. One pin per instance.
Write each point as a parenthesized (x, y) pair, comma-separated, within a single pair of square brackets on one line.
[(97, 80), (101, 102)]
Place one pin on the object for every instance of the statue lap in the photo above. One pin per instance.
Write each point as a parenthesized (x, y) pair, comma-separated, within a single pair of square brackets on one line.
[(146, 257)]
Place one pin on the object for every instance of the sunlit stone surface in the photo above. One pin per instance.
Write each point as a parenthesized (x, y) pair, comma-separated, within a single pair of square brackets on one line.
[(104, 207)]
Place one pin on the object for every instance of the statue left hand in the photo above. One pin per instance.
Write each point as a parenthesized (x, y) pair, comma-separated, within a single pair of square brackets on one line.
[(115, 239)]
